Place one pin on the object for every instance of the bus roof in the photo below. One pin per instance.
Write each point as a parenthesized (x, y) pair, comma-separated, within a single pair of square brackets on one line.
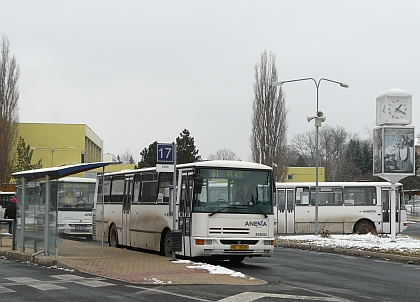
[(206, 164), (334, 184)]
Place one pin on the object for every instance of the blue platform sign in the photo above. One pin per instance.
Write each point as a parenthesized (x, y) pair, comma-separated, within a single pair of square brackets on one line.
[(165, 153)]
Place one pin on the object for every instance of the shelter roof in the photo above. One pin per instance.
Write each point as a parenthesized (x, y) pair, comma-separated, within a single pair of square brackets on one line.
[(62, 171)]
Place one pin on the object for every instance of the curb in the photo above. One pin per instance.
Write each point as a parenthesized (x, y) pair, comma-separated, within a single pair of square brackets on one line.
[(29, 258), (350, 252)]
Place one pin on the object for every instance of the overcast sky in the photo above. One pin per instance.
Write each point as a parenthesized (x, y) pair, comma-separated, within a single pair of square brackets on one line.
[(142, 71)]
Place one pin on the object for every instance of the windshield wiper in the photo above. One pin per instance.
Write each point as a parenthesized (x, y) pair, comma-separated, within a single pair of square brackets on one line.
[(265, 215), (219, 210)]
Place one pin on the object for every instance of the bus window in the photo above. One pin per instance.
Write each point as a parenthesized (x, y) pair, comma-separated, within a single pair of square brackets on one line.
[(281, 200), (117, 189), (149, 189), (327, 196), (137, 188), (165, 183), (302, 196), (360, 196)]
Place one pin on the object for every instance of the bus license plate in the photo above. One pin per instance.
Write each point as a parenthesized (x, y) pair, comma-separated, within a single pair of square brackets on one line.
[(239, 247)]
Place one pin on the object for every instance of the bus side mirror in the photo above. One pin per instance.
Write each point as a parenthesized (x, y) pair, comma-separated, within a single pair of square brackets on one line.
[(198, 184)]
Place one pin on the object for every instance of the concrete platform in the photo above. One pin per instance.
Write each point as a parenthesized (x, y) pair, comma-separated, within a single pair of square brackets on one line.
[(123, 264)]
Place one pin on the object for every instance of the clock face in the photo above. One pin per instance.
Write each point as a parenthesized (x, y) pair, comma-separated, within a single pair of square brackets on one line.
[(398, 109)]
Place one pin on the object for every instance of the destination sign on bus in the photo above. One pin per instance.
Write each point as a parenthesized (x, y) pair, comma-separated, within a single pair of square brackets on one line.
[(227, 174), (74, 185)]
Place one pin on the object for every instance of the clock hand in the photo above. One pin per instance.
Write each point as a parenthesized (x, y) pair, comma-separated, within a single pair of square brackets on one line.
[(401, 111), (398, 108)]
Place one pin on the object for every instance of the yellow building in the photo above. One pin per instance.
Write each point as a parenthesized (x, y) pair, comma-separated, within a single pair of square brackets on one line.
[(305, 174), (61, 144), (67, 144)]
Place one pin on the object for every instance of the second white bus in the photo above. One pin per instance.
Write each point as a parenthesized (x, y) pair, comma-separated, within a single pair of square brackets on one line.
[(343, 207), (71, 198), (225, 210)]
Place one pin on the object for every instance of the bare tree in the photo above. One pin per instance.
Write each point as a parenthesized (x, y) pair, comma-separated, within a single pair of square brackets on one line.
[(9, 117), (305, 144), (224, 154), (269, 127), (127, 157), (332, 146)]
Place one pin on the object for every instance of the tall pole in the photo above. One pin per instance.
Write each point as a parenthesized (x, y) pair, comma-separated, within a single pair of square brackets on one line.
[(316, 159), (174, 210), (103, 211), (318, 119)]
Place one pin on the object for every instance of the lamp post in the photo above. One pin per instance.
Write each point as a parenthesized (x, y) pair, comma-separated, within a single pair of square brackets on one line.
[(319, 118), (52, 152)]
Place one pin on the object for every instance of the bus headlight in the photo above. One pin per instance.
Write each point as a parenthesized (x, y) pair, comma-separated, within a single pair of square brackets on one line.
[(269, 242), (203, 241)]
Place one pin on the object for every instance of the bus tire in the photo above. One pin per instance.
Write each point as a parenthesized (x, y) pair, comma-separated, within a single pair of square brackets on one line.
[(113, 236), (364, 227), (165, 245), (236, 259)]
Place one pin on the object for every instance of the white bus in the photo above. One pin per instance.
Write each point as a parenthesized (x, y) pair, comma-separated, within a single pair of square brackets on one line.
[(343, 207), (74, 197), (224, 209), (70, 197)]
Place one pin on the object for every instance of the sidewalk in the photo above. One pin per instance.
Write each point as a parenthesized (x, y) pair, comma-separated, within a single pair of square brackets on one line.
[(125, 265)]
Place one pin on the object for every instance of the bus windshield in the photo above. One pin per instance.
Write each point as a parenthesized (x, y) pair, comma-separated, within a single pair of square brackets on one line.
[(71, 195), (234, 191)]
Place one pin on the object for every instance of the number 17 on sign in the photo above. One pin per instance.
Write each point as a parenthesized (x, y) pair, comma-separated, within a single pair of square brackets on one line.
[(165, 153)]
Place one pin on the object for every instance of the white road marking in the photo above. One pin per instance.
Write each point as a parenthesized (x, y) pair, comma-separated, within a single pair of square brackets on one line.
[(52, 285), (251, 296), (4, 290), (168, 293), (91, 282), (41, 285)]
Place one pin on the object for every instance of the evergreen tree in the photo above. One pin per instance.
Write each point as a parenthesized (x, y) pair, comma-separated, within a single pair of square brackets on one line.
[(148, 157), (186, 151), (22, 160), (301, 162), (366, 163)]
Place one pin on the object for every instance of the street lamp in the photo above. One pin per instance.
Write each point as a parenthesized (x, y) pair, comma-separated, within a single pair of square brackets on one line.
[(319, 118), (52, 152)]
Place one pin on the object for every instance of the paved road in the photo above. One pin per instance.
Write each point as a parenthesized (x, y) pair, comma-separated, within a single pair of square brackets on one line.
[(353, 278), (23, 282)]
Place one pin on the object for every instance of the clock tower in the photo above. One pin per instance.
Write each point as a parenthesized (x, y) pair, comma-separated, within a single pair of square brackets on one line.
[(393, 145), (394, 107)]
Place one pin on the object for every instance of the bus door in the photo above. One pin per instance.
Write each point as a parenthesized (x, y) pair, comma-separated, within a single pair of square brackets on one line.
[(280, 213), (290, 212), (126, 211), (386, 201), (285, 211), (184, 221)]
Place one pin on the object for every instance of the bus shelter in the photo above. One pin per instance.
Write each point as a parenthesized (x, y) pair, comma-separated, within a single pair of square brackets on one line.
[(37, 216)]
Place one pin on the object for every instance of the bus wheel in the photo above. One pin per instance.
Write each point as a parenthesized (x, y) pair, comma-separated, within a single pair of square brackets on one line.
[(113, 236), (364, 227), (236, 259), (165, 246)]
